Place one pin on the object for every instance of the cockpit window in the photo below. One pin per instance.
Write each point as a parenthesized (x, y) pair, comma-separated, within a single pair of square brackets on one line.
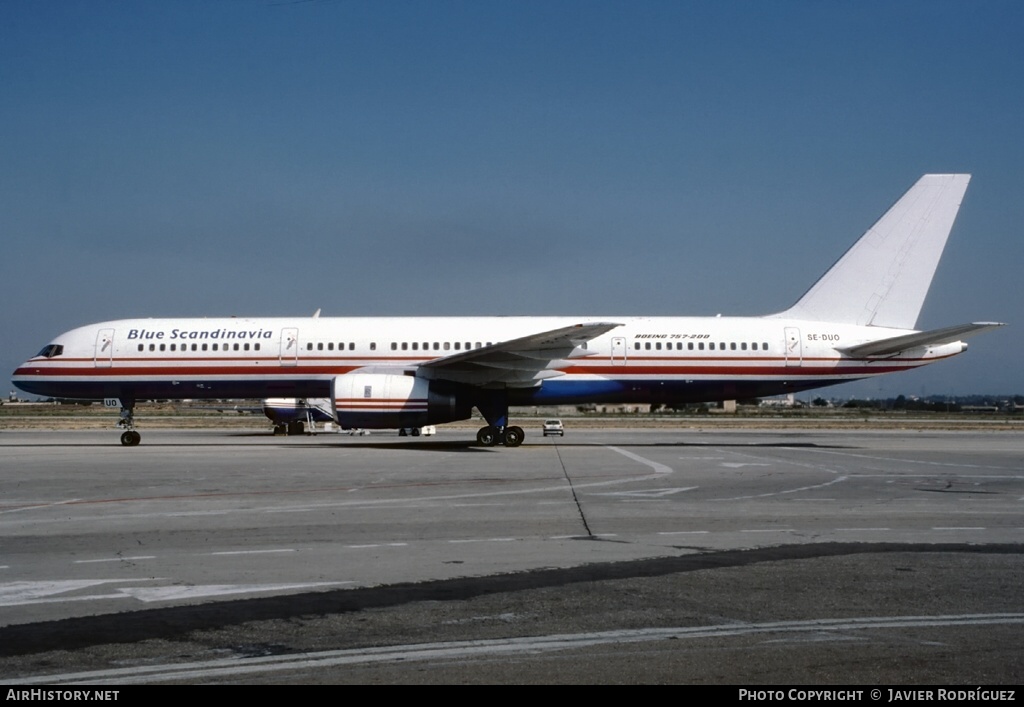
[(51, 350)]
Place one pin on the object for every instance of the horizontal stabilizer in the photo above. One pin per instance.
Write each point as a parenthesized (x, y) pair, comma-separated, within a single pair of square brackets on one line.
[(896, 344)]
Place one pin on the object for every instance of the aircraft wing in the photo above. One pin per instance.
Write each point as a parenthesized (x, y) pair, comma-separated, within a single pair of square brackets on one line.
[(519, 362), (896, 344)]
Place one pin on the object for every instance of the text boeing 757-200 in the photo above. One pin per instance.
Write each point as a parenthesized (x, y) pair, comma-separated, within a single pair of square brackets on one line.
[(856, 321)]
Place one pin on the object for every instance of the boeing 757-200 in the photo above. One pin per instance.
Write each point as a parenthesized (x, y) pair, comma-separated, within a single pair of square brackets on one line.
[(858, 320)]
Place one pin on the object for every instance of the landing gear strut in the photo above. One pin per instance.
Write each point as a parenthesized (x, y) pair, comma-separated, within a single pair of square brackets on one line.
[(494, 407), (129, 438)]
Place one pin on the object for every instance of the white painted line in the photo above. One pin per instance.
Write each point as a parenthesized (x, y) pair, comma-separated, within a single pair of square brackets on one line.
[(372, 545), (955, 528), (770, 530), (38, 506), (658, 468), (483, 540), (152, 594), (648, 493), (684, 532), (251, 552), (862, 529), (116, 559)]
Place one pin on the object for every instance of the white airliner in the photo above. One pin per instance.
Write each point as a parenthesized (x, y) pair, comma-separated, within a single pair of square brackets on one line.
[(857, 321)]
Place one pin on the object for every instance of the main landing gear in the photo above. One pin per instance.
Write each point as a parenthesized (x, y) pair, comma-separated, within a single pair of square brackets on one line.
[(129, 438), (493, 405), (489, 436)]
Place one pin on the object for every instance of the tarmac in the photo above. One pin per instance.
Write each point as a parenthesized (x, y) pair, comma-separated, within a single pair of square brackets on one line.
[(609, 556)]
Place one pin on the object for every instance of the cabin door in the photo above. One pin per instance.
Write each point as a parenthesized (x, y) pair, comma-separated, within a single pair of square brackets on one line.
[(618, 351), (289, 346), (794, 349), (104, 348)]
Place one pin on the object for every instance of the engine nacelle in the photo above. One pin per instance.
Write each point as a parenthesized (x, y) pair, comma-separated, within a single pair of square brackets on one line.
[(385, 401)]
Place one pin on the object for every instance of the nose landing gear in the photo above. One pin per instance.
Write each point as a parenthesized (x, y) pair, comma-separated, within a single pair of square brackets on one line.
[(129, 438)]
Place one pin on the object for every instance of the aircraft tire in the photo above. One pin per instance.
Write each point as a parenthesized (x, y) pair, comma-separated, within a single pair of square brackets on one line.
[(130, 438), (514, 436), (487, 436)]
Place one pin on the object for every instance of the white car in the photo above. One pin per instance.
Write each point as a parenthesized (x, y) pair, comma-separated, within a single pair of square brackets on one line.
[(554, 427)]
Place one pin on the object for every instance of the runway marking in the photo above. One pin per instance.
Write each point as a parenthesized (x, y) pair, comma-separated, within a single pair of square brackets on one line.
[(649, 493), (739, 465), (115, 559), (251, 552), (784, 491), (37, 506), (154, 594), (956, 528), (25, 593), (658, 468), (769, 530), (482, 540), (450, 650), (862, 529), (910, 461), (18, 593), (372, 545), (684, 532)]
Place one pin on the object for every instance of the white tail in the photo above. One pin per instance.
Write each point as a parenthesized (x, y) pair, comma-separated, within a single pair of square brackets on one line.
[(883, 279)]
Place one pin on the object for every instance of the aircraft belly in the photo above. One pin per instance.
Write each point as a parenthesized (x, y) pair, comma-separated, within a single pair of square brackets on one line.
[(567, 392)]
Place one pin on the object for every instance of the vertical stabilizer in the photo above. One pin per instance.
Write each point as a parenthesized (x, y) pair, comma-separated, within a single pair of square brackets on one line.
[(883, 279)]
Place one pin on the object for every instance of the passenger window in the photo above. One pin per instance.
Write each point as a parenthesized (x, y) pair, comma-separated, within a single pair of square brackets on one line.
[(141, 347), (373, 346)]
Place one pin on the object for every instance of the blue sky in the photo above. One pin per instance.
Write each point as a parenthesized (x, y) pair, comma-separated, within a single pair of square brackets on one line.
[(272, 158)]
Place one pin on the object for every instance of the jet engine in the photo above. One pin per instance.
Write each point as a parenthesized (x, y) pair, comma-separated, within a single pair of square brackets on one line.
[(388, 401)]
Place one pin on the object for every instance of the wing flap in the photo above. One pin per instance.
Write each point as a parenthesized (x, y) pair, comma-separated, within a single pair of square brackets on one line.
[(517, 362)]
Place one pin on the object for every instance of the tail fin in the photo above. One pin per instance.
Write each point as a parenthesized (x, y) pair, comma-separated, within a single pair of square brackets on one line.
[(883, 279)]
